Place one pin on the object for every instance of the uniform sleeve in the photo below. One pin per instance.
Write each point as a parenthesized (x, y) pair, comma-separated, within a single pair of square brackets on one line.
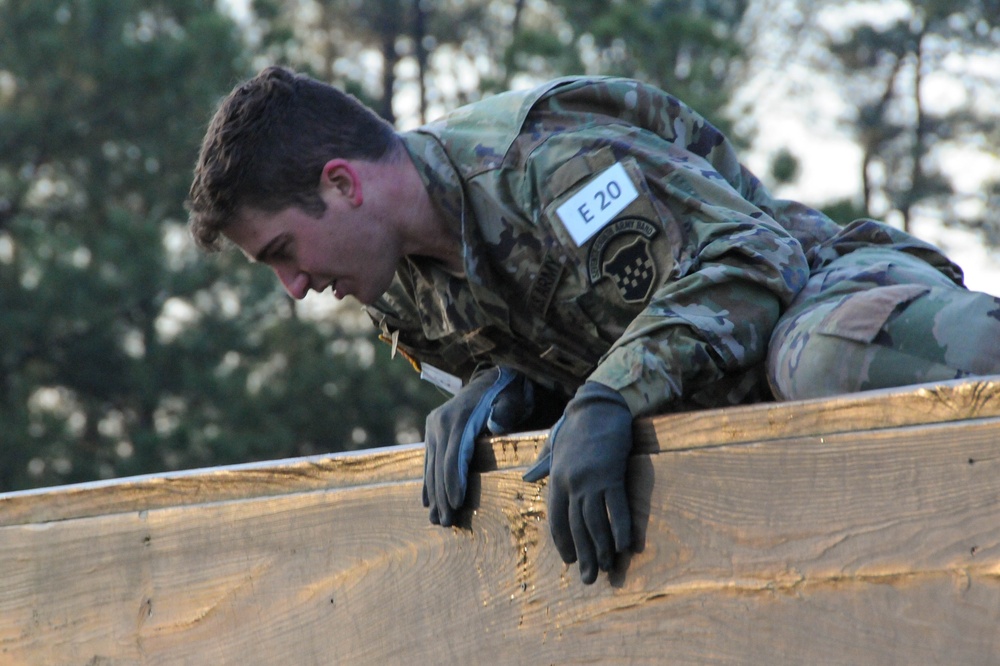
[(708, 324), (711, 320), (726, 269)]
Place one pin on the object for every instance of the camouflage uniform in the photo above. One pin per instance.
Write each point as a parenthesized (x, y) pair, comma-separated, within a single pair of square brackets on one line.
[(877, 318), (669, 296)]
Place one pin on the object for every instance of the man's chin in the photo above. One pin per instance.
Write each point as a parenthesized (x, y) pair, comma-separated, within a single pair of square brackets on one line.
[(361, 298), (368, 297)]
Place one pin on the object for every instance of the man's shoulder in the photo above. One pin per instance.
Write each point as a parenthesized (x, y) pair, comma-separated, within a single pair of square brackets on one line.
[(478, 136), (508, 108)]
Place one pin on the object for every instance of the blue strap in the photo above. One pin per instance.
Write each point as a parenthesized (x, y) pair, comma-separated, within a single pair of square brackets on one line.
[(476, 424), (541, 467)]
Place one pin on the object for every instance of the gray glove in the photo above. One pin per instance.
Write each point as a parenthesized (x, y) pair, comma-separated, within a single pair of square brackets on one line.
[(587, 451), (498, 400)]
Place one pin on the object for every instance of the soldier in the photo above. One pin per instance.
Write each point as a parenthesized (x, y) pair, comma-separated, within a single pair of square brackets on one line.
[(592, 239)]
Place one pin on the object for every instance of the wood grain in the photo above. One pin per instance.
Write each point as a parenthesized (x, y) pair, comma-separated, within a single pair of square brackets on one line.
[(878, 546), (886, 408), (264, 479), (925, 404)]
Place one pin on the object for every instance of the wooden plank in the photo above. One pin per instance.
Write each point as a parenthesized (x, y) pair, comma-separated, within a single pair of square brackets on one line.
[(887, 408), (931, 403), (207, 485), (264, 479), (880, 546)]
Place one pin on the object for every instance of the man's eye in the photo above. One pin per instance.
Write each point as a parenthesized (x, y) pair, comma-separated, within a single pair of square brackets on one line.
[(280, 252)]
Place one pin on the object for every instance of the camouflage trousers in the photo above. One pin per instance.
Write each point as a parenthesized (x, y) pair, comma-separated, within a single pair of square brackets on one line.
[(877, 318)]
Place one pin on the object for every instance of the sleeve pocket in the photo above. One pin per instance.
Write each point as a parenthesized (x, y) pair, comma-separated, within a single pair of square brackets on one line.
[(860, 317)]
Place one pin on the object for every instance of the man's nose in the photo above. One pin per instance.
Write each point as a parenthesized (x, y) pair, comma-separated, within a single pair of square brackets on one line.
[(296, 282)]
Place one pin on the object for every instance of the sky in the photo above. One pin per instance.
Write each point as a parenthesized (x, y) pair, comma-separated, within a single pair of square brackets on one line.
[(794, 108), (830, 170)]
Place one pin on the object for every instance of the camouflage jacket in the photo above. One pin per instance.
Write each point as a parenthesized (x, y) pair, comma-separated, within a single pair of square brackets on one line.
[(610, 233)]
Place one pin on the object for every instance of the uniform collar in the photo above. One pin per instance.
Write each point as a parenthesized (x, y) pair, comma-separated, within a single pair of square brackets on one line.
[(447, 193), (438, 175)]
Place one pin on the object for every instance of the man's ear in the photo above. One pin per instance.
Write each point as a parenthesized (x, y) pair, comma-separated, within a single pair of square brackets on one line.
[(342, 177)]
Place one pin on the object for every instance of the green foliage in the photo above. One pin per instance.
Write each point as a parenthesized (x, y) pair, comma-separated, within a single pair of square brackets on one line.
[(122, 349), (688, 48), (784, 167), (844, 211)]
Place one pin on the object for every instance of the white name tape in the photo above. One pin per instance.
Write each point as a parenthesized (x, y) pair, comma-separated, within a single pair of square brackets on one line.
[(440, 378), (590, 209)]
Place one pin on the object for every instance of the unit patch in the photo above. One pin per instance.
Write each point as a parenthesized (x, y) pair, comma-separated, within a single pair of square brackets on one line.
[(621, 253)]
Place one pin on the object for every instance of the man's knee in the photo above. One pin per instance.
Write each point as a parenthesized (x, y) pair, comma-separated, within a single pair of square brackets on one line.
[(808, 364), (830, 365), (866, 342), (962, 329)]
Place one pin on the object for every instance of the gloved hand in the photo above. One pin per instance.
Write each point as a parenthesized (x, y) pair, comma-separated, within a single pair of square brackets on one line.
[(498, 399), (588, 453)]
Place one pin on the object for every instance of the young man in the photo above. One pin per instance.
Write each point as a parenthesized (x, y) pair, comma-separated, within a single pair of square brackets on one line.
[(592, 238)]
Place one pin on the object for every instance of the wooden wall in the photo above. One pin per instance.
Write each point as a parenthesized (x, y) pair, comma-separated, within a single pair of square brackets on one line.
[(858, 530)]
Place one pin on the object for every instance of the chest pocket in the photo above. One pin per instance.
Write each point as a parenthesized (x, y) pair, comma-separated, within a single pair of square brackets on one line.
[(612, 275)]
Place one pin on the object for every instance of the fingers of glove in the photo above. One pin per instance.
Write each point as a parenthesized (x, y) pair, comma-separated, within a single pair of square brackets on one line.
[(621, 518), (559, 524), (455, 469), (595, 517), (428, 489), (585, 550), (445, 516), (434, 517), (440, 490), (434, 495), (461, 438)]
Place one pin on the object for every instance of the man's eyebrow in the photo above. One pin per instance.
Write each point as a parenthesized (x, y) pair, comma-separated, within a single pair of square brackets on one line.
[(261, 255)]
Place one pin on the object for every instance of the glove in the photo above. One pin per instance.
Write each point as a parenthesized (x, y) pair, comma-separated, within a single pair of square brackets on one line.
[(497, 400), (588, 452)]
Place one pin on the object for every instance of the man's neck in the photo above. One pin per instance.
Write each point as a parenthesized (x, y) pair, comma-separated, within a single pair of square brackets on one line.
[(426, 232)]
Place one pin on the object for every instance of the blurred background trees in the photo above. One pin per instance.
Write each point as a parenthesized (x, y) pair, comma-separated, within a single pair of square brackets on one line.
[(894, 73), (123, 350)]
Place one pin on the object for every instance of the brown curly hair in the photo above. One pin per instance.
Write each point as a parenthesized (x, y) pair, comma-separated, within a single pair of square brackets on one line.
[(266, 146)]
